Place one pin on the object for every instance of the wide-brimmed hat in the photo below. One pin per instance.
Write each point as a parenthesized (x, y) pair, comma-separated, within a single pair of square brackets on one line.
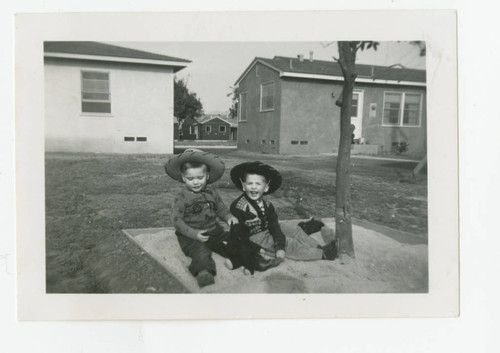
[(272, 175), (214, 163)]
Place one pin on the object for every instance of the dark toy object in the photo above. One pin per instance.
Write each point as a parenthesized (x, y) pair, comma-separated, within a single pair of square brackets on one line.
[(311, 226)]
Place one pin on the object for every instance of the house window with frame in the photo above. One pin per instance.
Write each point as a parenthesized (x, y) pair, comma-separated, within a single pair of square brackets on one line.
[(267, 96), (354, 105), (96, 96), (402, 109), (191, 130), (222, 128), (243, 107), (208, 129)]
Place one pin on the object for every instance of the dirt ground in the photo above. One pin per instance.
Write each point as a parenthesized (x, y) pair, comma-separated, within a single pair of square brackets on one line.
[(91, 198)]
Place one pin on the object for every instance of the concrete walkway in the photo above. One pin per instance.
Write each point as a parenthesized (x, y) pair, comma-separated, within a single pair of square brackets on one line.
[(363, 156), (384, 263)]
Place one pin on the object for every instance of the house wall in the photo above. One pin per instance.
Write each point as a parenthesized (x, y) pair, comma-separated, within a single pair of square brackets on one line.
[(141, 106), (261, 128), (214, 133), (309, 114), (376, 134)]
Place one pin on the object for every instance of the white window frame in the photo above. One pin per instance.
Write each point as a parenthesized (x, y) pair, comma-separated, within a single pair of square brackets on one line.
[(240, 105), (360, 101), (192, 130), (401, 109), (95, 100), (208, 129), (222, 128), (274, 96)]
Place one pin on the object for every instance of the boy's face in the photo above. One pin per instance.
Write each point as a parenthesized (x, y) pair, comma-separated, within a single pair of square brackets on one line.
[(195, 178), (255, 186)]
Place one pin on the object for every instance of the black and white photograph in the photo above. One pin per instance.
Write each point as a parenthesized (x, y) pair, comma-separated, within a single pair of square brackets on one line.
[(236, 167), (249, 176), (215, 173)]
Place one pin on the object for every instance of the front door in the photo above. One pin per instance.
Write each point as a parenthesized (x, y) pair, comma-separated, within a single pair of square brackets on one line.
[(357, 113)]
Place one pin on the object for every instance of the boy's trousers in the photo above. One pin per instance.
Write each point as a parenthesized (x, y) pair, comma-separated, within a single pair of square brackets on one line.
[(201, 252)]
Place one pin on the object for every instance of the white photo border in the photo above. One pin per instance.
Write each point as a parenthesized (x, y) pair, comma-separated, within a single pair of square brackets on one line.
[(436, 27)]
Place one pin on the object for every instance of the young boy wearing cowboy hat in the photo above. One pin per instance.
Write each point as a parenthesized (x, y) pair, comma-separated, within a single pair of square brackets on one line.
[(257, 179), (196, 209)]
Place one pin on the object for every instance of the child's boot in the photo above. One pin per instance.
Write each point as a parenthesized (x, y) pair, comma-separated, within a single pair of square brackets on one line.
[(205, 278), (330, 251)]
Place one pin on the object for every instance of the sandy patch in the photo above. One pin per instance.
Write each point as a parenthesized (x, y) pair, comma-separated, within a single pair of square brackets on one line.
[(382, 265)]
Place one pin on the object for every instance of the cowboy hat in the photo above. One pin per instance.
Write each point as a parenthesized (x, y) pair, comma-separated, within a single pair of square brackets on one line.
[(214, 163), (272, 175)]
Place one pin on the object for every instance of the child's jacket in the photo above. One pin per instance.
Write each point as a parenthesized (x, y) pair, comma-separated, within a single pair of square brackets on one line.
[(193, 212), (249, 213)]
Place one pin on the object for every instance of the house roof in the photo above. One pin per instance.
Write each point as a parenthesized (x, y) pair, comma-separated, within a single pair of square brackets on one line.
[(109, 52), (204, 119), (330, 70)]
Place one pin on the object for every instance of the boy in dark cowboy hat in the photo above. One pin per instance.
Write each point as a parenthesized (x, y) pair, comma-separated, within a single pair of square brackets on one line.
[(257, 179), (196, 209)]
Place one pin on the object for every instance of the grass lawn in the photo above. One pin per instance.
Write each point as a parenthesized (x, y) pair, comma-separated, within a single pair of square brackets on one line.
[(91, 197)]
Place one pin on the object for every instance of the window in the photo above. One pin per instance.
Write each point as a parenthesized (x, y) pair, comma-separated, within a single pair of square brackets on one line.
[(411, 113), (295, 142), (142, 139), (192, 130), (267, 96), (263, 142), (271, 142), (354, 105), (208, 128), (248, 141), (243, 107), (127, 138), (95, 92), (303, 142), (402, 109), (222, 128)]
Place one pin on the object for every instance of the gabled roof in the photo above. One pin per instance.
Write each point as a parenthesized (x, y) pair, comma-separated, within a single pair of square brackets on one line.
[(108, 52), (204, 119), (330, 70)]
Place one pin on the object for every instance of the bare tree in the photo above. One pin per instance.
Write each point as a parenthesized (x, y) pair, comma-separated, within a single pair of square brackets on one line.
[(343, 222)]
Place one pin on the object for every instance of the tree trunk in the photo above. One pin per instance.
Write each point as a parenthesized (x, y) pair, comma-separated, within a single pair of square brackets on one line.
[(419, 166), (343, 224)]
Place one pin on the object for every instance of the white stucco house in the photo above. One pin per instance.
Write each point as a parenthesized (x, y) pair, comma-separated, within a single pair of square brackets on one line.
[(109, 99)]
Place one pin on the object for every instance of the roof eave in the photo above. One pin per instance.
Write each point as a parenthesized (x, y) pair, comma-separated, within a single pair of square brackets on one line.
[(175, 64), (359, 80), (252, 64)]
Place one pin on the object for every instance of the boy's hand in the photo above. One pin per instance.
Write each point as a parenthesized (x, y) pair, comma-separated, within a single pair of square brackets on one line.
[(280, 254), (201, 236), (232, 220)]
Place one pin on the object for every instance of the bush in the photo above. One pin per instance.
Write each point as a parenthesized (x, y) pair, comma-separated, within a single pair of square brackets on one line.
[(400, 147)]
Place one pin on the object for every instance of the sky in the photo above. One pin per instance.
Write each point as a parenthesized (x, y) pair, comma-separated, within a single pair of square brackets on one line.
[(216, 66)]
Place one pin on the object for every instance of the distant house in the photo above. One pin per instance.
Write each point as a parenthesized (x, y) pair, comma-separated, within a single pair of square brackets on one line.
[(287, 106), (107, 98), (208, 127), (217, 128)]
